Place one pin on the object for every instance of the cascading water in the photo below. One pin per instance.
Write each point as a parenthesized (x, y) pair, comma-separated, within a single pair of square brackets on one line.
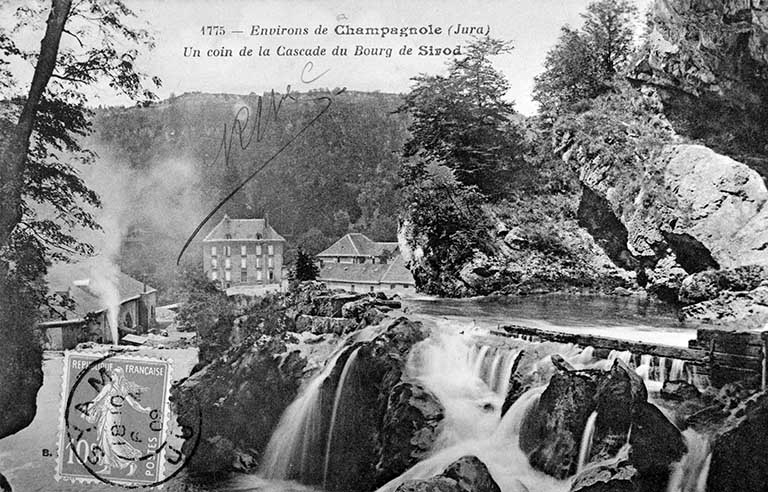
[(471, 381), (690, 474), (625, 356), (586, 441), (348, 366), (299, 433), (677, 372)]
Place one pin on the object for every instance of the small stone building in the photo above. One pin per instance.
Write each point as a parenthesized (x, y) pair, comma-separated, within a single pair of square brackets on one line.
[(82, 294)]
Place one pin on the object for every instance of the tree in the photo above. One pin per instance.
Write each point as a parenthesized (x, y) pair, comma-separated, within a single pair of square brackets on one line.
[(304, 268), (462, 120), (584, 62), (448, 221), (42, 197)]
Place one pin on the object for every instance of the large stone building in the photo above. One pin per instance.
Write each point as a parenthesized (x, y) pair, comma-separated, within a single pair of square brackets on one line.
[(243, 252), (81, 295), (358, 264)]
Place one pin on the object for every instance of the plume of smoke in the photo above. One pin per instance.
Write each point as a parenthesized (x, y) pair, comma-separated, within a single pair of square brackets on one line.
[(165, 201)]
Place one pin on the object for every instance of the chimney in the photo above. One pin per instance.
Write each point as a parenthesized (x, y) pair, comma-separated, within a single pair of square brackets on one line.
[(266, 220)]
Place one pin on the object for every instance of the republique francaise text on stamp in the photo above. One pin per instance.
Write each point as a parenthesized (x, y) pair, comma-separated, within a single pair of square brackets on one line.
[(114, 419)]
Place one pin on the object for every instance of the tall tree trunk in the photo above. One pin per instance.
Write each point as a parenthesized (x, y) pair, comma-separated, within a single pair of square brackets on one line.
[(21, 372), (13, 154)]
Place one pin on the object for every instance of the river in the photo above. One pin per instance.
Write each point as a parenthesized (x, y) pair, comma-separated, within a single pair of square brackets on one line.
[(27, 459)]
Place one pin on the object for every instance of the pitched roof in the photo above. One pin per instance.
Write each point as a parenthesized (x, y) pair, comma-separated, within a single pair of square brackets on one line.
[(370, 273), (397, 273), (88, 283), (243, 229), (358, 244)]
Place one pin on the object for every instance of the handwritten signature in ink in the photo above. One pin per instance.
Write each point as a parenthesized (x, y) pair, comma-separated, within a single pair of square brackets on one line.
[(244, 132)]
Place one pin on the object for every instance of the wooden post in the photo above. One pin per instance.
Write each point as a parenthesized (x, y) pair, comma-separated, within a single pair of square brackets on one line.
[(764, 381)]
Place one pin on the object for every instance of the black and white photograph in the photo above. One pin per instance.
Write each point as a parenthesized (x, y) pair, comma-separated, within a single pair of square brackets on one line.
[(384, 245)]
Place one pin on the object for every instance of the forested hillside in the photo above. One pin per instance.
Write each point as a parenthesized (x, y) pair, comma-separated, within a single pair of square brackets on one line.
[(338, 175)]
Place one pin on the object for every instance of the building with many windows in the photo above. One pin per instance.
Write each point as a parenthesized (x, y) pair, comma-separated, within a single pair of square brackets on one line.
[(243, 252)]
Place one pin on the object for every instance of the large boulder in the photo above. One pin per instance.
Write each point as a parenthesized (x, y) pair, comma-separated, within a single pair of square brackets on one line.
[(655, 445), (551, 434), (739, 462), (634, 444), (619, 393), (467, 474), (713, 214), (383, 426), (238, 398), (409, 429)]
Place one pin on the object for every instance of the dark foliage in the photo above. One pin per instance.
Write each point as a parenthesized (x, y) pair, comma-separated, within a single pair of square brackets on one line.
[(462, 120), (584, 62)]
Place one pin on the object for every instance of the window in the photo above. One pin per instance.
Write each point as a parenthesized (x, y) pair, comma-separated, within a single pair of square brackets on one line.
[(214, 262), (243, 275), (371, 288), (270, 249), (227, 263), (271, 275), (392, 286), (227, 276), (243, 250), (215, 275), (258, 276), (228, 236), (227, 251), (243, 262), (258, 249), (352, 287), (270, 261), (258, 262), (213, 250)]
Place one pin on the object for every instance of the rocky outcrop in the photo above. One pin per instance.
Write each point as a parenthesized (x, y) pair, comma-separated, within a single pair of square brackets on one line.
[(551, 433), (709, 60), (377, 443), (739, 462), (712, 215), (238, 399), (324, 324), (467, 474), (543, 256), (409, 429)]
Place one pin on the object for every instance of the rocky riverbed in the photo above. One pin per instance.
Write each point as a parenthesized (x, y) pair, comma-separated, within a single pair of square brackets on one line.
[(355, 396)]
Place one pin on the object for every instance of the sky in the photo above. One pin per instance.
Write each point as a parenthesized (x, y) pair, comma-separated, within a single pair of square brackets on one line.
[(532, 26)]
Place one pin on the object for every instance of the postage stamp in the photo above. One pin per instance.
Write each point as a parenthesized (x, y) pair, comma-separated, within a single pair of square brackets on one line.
[(114, 419)]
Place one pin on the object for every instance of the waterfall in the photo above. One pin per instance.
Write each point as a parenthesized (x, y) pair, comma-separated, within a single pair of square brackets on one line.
[(479, 358), (337, 399), (463, 378), (298, 436), (506, 373), (500, 452), (493, 376), (662, 369), (625, 356), (586, 441), (691, 472), (677, 372)]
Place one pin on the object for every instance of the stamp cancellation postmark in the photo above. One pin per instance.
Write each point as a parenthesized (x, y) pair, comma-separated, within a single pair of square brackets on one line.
[(114, 419)]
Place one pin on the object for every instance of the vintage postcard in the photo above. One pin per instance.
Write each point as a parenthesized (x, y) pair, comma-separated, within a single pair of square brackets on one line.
[(384, 245)]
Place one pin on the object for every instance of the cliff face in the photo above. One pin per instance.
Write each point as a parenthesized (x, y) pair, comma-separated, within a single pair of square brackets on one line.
[(709, 59), (703, 208)]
